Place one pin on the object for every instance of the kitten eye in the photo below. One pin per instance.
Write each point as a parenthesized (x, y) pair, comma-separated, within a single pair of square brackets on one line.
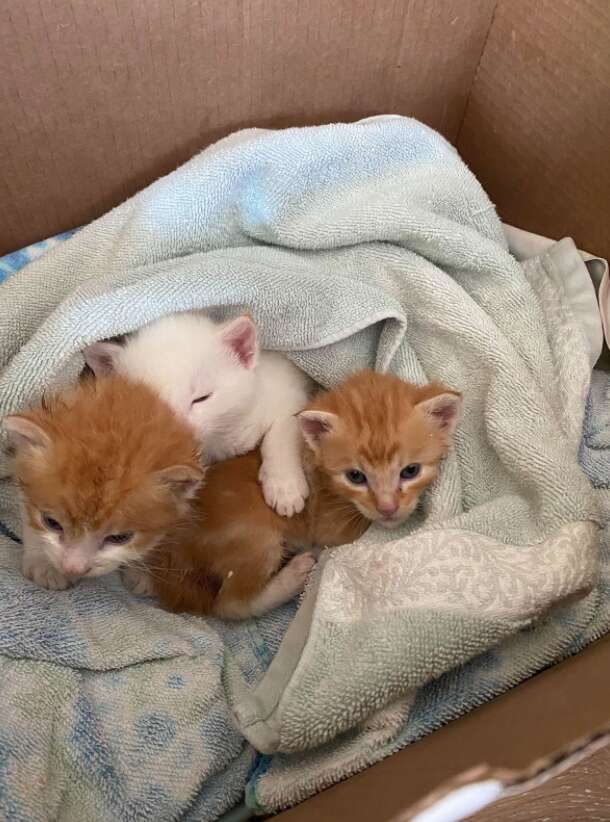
[(356, 477), (118, 539), (203, 398), (409, 472), (51, 524)]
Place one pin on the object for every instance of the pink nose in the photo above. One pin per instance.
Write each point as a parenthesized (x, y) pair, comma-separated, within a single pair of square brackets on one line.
[(387, 508), (74, 566)]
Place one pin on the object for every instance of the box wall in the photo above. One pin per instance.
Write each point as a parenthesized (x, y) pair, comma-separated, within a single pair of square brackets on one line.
[(537, 126), (97, 103)]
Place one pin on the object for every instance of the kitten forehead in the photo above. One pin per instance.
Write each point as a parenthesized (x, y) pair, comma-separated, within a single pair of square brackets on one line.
[(107, 443), (171, 343), (384, 421), (180, 356)]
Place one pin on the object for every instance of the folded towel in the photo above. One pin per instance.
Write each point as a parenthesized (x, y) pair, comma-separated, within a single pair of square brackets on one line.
[(355, 245), (11, 263)]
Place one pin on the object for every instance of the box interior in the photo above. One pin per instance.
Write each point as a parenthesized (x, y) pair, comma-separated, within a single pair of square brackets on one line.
[(98, 101)]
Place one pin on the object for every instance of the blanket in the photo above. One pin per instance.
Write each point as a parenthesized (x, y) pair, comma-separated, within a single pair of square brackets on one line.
[(356, 245)]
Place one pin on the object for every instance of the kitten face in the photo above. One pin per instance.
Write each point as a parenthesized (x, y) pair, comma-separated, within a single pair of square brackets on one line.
[(81, 540), (99, 477), (205, 371), (380, 441)]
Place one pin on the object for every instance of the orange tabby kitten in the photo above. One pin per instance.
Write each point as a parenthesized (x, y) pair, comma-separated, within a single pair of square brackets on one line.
[(110, 476), (105, 472)]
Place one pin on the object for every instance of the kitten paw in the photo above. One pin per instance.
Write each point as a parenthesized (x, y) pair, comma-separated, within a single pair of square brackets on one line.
[(296, 572), (43, 574), (138, 582), (286, 494)]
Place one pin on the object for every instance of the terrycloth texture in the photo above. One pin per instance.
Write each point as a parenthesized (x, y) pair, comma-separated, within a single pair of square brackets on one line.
[(112, 708), (579, 275), (282, 780), (11, 263), (355, 245)]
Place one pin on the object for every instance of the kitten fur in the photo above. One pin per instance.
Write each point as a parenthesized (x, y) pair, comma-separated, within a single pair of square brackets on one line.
[(373, 423), (379, 424), (110, 458), (234, 396), (110, 476)]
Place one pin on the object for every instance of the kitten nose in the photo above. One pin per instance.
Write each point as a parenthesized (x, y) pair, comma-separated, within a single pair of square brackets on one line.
[(75, 566), (387, 507)]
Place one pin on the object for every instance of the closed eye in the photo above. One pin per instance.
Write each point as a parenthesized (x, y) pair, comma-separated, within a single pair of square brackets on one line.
[(51, 524), (202, 398)]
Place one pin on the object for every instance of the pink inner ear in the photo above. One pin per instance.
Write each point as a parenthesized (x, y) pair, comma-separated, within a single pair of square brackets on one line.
[(241, 338), (315, 427), (445, 413)]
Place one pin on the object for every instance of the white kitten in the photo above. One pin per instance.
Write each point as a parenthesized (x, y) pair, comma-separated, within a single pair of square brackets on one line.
[(234, 396)]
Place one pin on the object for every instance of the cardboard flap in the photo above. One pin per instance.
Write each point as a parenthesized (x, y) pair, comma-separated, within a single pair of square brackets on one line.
[(483, 786)]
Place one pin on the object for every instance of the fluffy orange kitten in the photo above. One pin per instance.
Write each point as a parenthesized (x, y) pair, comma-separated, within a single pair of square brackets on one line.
[(105, 471), (110, 476)]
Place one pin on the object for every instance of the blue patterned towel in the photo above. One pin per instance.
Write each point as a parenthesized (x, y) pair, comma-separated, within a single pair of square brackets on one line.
[(11, 263), (171, 759)]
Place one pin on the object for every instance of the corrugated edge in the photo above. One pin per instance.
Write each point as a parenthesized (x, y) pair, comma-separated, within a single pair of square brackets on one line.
[(482, 786)]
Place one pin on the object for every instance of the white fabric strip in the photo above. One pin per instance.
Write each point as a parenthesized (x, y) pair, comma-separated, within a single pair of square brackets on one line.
[(579, 281)]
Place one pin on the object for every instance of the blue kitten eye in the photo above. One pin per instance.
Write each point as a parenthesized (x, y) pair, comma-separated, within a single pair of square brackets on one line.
[(356, 477), (51, 524), (203, 398), (118, 539), (410, 471)]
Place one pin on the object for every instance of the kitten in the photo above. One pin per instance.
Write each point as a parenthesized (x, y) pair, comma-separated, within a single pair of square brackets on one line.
[(372, 446), (234, 396), (378, 441), (105, 472)]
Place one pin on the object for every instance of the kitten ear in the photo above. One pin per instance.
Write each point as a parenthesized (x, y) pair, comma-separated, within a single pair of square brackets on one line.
[(240, 335), (24, 432), (315, 424), (443, 411), (102, 357), (183, 480)]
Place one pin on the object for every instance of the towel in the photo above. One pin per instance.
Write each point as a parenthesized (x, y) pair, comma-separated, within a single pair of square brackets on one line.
[(353, 245), (281, 780), (11, 263)]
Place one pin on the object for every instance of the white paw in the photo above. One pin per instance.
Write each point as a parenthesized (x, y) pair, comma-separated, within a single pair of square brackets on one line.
[(138, 582), (40, 571), (296, 572), (285, 493)]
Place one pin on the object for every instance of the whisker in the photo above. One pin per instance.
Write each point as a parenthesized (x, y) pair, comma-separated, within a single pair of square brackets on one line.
[(142, 565)]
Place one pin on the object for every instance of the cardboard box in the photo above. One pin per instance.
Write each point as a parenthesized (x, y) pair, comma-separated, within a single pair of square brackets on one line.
[(541, 749), (98, 99)]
